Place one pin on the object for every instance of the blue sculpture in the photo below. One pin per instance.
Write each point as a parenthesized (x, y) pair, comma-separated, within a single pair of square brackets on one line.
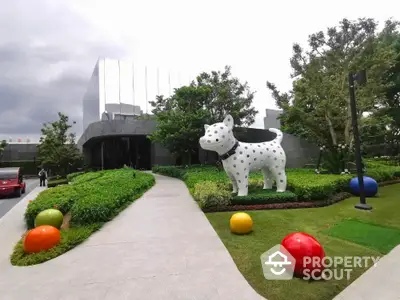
[(370, 186)]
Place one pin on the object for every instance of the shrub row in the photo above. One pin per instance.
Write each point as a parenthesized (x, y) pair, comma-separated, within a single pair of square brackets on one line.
[(28, 167), (56, 182), (92, 197), (71, 176), (212, 188)]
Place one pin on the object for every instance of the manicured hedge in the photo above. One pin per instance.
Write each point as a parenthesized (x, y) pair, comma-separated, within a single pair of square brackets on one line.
[(60, 197), (264, 197), (71, 176), (92, 197), (209, 185), (56, 182), (28, 167)]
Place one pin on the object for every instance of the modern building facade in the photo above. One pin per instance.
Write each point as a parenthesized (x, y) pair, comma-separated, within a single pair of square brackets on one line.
[(114, 134), (110, 92), (271, 119)]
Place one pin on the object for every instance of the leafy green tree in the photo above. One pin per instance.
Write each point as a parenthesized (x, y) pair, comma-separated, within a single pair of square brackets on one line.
[(57, 148), (3, 145), (318, 106), (180, 121), (228, 96), (181, 117)]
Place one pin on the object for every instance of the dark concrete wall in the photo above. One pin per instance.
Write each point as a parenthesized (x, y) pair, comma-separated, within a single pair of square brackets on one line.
[(13, 152), (116, 127), (298, 151)]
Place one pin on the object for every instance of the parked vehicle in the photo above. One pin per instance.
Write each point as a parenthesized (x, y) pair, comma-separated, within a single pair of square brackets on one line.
[(11, 182)]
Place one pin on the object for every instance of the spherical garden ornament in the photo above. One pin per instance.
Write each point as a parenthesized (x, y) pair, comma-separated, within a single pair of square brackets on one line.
[(41, 238), (370, 186), (307, 252), (241, 223), (52, 217)]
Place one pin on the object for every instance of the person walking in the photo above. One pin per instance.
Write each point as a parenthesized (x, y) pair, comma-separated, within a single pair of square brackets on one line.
[(42, 176)]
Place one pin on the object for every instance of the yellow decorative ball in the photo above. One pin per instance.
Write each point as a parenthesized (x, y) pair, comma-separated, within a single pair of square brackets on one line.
[(241, 223)]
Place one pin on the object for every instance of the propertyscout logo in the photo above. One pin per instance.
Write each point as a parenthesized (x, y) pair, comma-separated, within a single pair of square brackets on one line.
[(278, 264)]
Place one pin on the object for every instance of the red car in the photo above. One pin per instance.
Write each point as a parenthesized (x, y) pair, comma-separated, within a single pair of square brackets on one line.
[(11, 182)]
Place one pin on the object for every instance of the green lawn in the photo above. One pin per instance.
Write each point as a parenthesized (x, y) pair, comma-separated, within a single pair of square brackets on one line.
[(335, 226)]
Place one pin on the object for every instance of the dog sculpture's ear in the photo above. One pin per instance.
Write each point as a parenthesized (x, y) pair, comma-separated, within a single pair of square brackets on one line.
[(228, 121), (206, 126)]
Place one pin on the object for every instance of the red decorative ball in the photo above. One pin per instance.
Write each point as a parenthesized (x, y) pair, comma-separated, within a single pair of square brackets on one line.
[(307, 252)]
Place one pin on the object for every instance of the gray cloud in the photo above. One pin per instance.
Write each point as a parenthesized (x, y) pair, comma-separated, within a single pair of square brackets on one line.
[(47, 55)]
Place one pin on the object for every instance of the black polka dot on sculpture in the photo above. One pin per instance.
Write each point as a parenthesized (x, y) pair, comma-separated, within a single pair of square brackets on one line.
[(258, 146), (275, 158), (242, 161), (254, 151), (281, 180), (245, 147), (267, 149), (208, 141), (248, 155), (215, 131), (221, 127), (280, 152), (245, 176), (237, 173), (255, 159), (241, 152), (245, 169), (234, 166), (240, 181), (261, 153), (276, 167), (235, 158), (279, 173), (223, 136)]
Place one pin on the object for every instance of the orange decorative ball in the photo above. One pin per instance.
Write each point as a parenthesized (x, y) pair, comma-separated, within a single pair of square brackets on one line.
[(41, 238)]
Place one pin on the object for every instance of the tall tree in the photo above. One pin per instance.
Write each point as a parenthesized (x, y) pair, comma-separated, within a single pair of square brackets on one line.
[(3, 145), (57, 148), (318, 106), (228, 96), (181, 117)]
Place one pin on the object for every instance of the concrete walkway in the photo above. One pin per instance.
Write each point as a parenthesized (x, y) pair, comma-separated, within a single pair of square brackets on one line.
[(161, 247), (379, 282)]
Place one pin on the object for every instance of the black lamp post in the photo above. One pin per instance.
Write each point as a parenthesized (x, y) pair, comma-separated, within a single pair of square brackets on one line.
[(361, 79)]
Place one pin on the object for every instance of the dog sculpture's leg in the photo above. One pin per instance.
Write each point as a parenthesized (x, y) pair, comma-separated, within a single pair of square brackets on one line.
[(242, 179), (268, 181), (280, 177), (234, 183)]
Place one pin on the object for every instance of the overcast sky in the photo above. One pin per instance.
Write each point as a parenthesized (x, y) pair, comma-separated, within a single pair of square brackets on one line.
[(48, 48)]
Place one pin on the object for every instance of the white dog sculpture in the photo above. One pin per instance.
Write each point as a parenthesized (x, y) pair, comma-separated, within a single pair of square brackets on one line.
[(240, 158)]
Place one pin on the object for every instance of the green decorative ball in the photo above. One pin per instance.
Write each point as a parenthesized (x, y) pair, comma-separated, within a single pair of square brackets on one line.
[(52, 217)]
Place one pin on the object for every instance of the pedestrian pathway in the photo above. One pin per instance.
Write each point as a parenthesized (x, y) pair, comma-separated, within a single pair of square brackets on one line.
[(381, 282), (162, 247)]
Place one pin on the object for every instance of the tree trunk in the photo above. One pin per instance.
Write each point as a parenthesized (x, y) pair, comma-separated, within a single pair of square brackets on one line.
[(347, 129), (331, 129)]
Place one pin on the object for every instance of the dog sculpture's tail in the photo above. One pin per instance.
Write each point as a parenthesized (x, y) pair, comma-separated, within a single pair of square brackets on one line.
[(279, 134)]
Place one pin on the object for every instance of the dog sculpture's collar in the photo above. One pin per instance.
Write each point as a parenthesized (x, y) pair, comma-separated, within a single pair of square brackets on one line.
[(230, 152)]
